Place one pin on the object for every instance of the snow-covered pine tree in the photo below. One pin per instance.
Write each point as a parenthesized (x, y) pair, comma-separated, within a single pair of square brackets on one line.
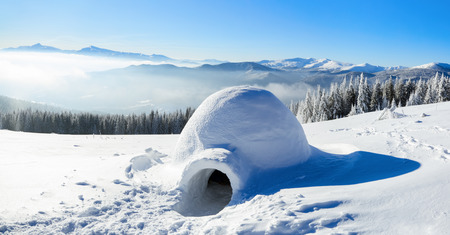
[(293, 106), (376, 98), (362, 103), (323, 111), (446, 88), (399, 92), (408, 89), (306, 108), (414, 99), (343, 94), (388, 90), (315, 117), (431, 95), (441, 90), (350, 97), (335, 102)]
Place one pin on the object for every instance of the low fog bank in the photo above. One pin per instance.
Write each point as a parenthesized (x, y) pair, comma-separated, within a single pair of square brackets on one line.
[(109, 85)]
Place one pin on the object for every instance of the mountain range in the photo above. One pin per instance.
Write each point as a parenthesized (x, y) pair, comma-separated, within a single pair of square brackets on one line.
[(91, 51), (312, 64), (290, 65)]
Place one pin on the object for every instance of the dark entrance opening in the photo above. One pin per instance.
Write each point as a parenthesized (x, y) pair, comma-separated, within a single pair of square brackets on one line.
[(208, 192), (219, 178)]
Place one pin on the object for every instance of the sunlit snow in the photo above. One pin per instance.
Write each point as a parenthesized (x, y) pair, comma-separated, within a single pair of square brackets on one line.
[(365, 175)]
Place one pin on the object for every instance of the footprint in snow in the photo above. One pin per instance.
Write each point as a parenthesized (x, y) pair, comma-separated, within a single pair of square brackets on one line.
[(307, 208), (117, 181), (82, 183)]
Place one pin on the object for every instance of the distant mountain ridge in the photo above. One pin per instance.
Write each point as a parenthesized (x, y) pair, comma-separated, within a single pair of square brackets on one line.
[(8, 105), (240, 66), (92, 51), (312, 64)]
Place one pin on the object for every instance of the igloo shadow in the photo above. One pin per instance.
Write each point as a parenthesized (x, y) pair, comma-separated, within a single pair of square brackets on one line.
[(328, 169), (234, 133)]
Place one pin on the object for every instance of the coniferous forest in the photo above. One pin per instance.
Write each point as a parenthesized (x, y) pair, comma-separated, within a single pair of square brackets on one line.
[(86, 123), (357, 96)]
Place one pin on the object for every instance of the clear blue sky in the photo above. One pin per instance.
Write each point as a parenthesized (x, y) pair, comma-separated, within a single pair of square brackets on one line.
[(383, 33)]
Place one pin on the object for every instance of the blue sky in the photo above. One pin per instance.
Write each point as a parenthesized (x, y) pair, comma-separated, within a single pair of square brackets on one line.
[(383, 33)]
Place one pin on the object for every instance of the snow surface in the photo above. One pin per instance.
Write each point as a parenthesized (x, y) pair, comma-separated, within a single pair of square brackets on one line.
[(370, 176)]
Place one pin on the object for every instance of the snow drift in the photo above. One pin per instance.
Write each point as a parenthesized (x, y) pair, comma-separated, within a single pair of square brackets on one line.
[(233, 134)]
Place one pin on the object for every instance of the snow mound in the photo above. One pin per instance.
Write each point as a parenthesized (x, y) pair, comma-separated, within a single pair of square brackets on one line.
[(390, 114), (235, 132), (249, 122), (144, 162)]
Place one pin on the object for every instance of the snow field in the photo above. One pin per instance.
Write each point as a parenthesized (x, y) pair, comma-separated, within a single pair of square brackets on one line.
[(364, 175)]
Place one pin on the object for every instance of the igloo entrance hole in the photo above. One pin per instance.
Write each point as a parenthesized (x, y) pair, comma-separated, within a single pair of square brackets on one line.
[(208, 192)]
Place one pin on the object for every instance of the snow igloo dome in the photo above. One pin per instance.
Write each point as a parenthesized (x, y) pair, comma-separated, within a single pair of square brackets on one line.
[(234, 133)]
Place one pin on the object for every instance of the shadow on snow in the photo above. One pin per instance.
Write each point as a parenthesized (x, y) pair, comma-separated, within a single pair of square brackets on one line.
[(325, 169)]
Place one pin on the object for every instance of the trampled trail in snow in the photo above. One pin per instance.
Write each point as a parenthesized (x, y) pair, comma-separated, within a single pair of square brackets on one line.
[(365, 175)]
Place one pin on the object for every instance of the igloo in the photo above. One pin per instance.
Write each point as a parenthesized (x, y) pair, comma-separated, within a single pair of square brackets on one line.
[(234, 133)]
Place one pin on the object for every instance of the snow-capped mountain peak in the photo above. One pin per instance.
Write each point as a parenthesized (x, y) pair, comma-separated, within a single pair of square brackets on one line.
[(433, 65), (320, 65), (312, 64), (367, 68), (286, 64)]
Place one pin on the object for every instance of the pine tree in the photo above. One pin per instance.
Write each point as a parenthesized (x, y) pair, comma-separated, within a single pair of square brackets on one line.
[(376, 97), (323, 111), (343, 95), (409, 89), (388, 90), (431, 93), (306, 110), (399, 92), (441, 90), (363, 96), (350, 98)]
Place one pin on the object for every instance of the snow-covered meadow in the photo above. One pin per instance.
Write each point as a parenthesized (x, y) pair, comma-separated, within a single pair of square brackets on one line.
[(364, 175)]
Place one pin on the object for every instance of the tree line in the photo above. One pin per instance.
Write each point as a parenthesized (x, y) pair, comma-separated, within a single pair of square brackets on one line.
[(358, 96), (155, 122)]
